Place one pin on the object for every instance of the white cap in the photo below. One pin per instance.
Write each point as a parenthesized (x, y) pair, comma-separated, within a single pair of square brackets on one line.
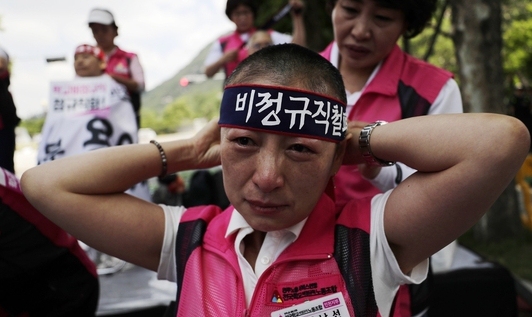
[(101, 16)]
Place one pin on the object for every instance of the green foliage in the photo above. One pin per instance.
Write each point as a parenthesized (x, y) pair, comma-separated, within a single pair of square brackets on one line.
[(517, 42), (317, 21), (182, 111), (149, 118), (443, 50), (205, 105), (517, 51), (33, 125)]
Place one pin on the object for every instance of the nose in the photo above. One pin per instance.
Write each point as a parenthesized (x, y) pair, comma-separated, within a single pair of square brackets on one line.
[(268, 173), (361, 29)]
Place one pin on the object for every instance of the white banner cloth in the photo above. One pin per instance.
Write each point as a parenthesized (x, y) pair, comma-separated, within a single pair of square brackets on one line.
[(86, 114)]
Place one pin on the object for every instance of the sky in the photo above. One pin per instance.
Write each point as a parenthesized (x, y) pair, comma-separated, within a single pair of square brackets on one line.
[(166, 35)]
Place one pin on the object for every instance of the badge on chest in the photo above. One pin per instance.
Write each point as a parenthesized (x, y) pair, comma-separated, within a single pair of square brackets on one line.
[(328, 306)]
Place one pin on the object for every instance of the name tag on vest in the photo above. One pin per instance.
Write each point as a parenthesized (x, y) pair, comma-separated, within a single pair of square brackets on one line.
[(330, 306)]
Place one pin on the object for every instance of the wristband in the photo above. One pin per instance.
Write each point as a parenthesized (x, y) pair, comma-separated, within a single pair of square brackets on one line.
[(163, 158), (365, 149)]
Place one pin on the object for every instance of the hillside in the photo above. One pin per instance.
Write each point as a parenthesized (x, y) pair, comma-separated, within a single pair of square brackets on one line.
[(168, 91)]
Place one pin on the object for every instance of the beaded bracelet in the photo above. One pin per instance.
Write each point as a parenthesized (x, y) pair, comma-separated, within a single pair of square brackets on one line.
[(163, 157)]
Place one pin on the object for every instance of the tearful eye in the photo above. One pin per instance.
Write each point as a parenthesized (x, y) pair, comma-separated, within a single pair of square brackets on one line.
[(243, 141), (349, 10), (384, 18), (300, 148)]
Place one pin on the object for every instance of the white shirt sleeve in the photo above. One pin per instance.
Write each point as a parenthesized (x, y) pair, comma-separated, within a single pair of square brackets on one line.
[(385, 271), (388, 176), (137, 73), (167, 267), (449, 100), (215, 54), (280, 38)]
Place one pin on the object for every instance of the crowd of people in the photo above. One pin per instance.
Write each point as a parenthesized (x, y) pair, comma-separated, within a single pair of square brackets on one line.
[(360, 148)]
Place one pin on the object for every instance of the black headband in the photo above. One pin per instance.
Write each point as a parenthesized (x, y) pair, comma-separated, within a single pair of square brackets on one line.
[(283, 110)]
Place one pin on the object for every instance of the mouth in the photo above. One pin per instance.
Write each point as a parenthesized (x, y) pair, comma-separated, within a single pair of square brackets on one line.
[(263, 207), (357, 50)]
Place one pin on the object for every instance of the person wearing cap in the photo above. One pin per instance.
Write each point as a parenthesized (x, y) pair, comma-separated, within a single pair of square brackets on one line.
[(8, 116), (77, 123), (284, 247), (122, 66), (228, 51)]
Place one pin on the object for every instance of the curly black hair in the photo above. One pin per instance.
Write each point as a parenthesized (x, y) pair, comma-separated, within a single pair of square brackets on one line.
[(417, 12)]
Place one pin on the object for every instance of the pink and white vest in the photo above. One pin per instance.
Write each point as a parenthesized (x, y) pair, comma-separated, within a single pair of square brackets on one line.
[(209, 278), (404, 87)]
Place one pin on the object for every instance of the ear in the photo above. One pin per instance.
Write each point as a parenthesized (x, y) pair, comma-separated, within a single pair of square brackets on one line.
[(103, 65)]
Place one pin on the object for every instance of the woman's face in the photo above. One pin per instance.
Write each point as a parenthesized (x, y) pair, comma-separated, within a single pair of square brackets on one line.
[(365, 32), (243, 18), (104, 35), (275, 180), (88, 65)]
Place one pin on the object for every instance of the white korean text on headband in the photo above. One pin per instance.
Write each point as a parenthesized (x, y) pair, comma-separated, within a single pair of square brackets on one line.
[(283, 110)]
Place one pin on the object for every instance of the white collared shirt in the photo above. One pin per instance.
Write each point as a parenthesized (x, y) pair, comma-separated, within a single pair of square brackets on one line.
[(274, 244)]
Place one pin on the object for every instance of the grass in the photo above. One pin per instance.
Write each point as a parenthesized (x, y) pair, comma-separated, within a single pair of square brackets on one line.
[(515, 253)]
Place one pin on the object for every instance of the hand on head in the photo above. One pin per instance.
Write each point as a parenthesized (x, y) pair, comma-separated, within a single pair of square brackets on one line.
[(230, 55), (207, 145)]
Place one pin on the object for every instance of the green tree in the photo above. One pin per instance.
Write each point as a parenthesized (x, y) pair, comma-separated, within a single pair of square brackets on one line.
[(204, 105), (33, 125), (478, 45), (517, 51), (150, 119), (175, 115), (434, 44), (318, 24)]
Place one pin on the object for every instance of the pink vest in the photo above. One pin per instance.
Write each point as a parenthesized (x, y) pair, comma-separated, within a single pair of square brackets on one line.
[(212, 285), (118, 63), (231, 42), (403, 87)]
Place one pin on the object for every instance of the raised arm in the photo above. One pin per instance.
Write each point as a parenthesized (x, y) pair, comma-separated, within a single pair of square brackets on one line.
[(299, 35), (465, 161), (212, 68), (84, 194)]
